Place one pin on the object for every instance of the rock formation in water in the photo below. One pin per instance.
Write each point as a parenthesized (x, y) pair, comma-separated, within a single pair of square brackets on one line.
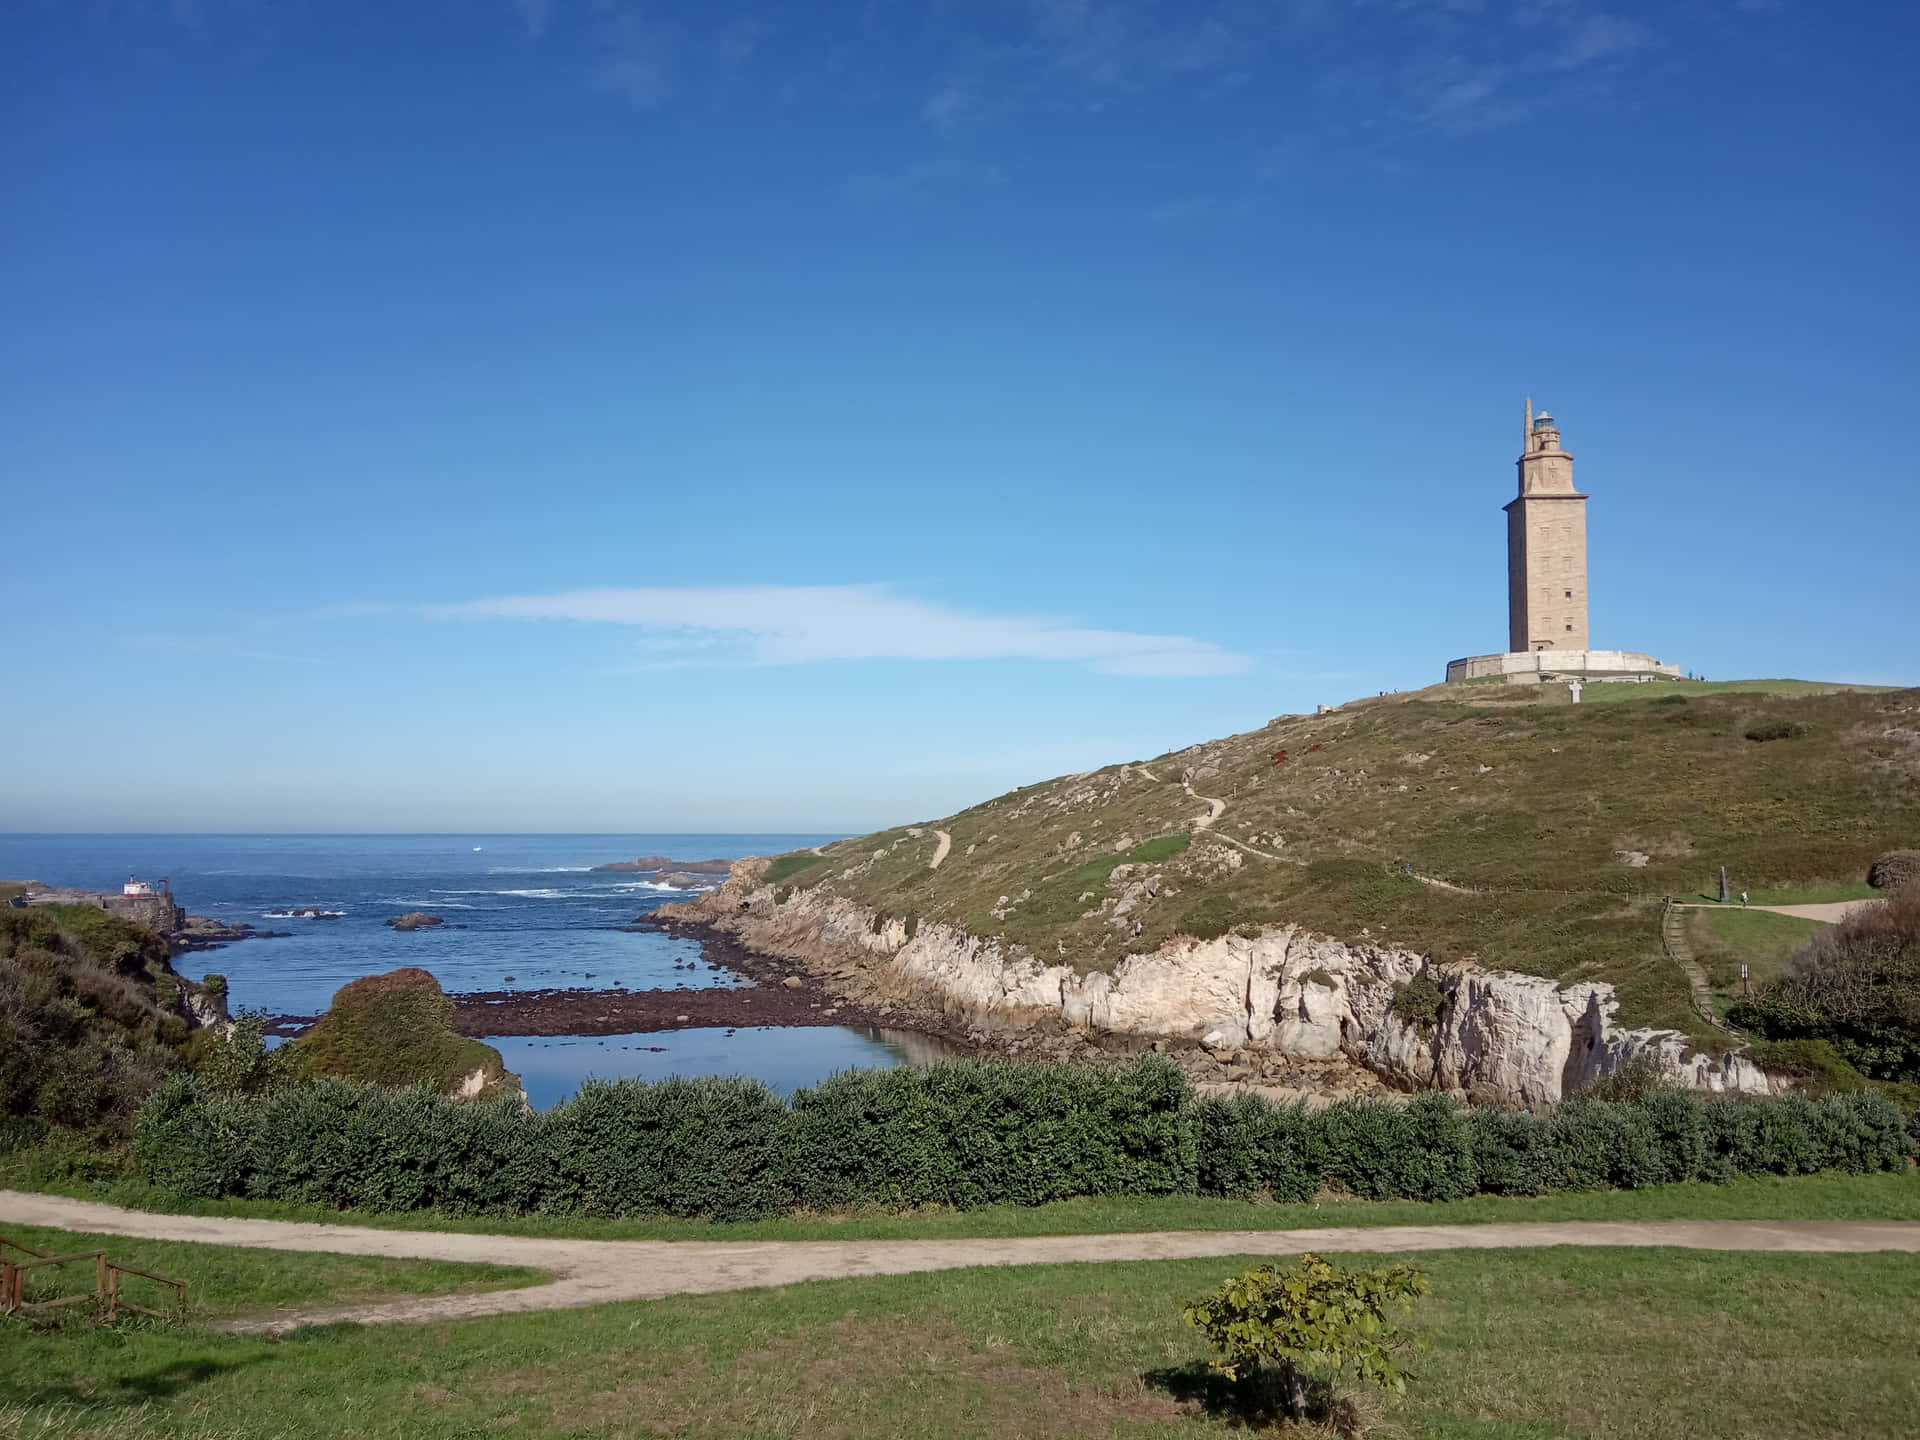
[(415, 920)]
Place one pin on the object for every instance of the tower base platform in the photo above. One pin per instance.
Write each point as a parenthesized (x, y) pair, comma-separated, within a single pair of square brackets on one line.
[(1542, 667)]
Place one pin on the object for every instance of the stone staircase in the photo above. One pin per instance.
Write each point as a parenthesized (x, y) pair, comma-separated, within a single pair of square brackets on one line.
[(1674, 940)]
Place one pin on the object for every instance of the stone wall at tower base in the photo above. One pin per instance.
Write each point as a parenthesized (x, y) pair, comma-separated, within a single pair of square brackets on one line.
[(1538, 667)]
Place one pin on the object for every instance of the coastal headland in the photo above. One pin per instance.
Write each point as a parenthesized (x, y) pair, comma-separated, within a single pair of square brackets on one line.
[(183, 933), (1477, 889)]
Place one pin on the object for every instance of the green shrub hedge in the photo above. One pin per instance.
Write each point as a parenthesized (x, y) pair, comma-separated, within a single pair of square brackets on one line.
[(963, 1134), (960, 1134), (1428, 1149)]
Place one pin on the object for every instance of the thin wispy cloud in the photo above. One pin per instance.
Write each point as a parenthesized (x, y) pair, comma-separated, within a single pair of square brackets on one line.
[(802, 624), (221, 648)]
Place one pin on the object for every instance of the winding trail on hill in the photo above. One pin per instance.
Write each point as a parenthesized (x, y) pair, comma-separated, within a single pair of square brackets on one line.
[(593, 1272), (940, 850), (1215, 807), (1263, 854)]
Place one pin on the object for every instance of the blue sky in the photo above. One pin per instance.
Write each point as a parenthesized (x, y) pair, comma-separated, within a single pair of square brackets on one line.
[(617, 416)]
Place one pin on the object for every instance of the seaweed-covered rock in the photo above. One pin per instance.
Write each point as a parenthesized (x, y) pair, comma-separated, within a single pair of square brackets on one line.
[(415, 920)]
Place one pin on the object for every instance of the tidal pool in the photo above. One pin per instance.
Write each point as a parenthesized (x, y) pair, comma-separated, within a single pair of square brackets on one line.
[(785, 1058)]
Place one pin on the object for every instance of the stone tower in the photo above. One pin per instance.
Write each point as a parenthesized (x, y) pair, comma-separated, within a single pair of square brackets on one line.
[(1546, 546)]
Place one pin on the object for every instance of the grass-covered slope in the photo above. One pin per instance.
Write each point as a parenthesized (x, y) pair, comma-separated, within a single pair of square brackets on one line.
[(397, 1030), (90, 1019), (1524, 801)]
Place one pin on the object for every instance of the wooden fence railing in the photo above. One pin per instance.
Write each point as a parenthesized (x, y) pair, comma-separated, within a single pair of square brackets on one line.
[(105, 1294)]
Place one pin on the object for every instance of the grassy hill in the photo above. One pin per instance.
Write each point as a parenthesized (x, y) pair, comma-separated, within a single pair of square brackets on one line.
[(1523, 818), (89, 1020)]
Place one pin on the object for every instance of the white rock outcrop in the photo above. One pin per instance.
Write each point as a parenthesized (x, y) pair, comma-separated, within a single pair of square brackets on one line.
[(1518, 1038)]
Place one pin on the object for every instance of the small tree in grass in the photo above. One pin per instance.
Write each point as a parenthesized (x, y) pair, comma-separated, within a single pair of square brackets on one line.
[(1313, 1322)]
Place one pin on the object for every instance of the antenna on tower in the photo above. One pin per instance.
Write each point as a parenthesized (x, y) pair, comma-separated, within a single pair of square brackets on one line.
[(1526, 430)]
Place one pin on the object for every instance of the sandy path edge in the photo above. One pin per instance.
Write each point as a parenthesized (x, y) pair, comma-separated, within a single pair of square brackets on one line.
[(592, 1272)]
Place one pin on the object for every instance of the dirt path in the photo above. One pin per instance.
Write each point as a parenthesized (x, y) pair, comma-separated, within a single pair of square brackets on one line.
[(940, 850), (1215, 807), (591, 1272), (1830, 912), (1263, 854)]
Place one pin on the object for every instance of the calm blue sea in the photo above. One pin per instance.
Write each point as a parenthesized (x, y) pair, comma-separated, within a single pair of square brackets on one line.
[(523, 912)]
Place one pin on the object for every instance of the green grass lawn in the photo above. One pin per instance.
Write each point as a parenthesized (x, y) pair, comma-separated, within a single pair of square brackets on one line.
[(1520, 1345), (1724, 939), (222, 1280), (1808, 1197)]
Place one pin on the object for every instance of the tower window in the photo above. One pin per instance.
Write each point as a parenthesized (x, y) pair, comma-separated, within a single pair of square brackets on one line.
[(1569, 594), (1569, 627)]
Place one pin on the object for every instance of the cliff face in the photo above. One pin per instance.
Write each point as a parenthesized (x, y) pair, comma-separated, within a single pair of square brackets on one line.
[(1514, 1038)]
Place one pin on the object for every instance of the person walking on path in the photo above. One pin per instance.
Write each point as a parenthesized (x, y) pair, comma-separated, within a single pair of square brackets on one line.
[(1743, 899)]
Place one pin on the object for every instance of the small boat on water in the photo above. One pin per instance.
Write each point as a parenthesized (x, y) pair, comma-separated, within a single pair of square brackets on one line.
[(304, 912)]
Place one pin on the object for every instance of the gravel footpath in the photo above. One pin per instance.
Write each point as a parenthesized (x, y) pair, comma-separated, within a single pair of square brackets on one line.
[(592, 1272)]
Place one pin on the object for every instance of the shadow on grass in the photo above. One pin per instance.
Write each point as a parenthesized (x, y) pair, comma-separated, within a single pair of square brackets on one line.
[(162, 1382), (1248, 1403)]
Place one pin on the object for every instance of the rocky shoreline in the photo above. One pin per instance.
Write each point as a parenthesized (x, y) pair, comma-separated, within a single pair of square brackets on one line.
[(1212, 1070), (1281, 1011), (201, 933)]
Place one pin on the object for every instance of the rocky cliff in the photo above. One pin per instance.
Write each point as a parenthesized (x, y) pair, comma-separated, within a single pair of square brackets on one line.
[(1275, 990)]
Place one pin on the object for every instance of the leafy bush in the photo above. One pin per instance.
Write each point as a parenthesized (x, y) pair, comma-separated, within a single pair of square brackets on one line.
[(1419, 1001), (714, 1147), (1856, 986), (239, 1062), (1311, 1322), (959, 1134), (1249, 1147), (1776, 729), (1820, 1069), (1428, 1150), (978, 1133), (1640, 1078), (1382, 1151)]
